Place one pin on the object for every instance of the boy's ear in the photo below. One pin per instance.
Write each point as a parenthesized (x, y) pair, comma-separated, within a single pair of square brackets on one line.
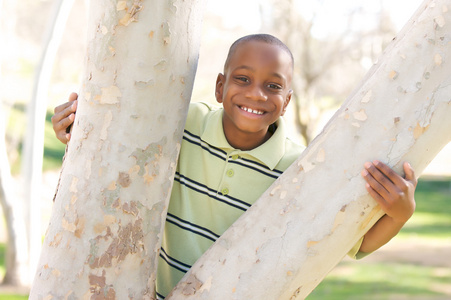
[(287, 100), (219, 87)]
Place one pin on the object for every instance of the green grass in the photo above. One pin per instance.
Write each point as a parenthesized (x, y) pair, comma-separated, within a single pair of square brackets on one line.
[(2, 259), (382, 281), (432, 218), (13, 297)]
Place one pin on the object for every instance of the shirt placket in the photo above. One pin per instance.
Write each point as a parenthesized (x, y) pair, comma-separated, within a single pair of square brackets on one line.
[(228, 173)]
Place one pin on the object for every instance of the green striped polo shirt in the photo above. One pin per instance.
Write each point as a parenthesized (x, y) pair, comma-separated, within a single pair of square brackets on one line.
[(214, 184)]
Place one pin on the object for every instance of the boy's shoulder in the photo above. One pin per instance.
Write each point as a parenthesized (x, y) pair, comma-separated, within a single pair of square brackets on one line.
[(202, 108), (198, 114), (293, 150)]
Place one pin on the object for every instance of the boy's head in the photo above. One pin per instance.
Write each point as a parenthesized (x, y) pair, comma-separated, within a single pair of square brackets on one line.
[(264, 38), (255, 88)]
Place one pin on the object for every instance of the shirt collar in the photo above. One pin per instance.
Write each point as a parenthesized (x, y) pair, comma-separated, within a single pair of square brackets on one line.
[(269, 153)]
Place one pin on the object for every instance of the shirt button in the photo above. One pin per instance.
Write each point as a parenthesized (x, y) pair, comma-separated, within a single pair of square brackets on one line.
[(235, 157), (230, 172), (225, 191)]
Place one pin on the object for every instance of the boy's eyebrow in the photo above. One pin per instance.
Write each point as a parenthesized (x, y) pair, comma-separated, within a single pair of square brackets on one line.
[(275, 74)]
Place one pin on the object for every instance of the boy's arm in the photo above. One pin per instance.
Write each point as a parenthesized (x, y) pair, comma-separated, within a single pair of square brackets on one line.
[(64, 116), (395, 195)]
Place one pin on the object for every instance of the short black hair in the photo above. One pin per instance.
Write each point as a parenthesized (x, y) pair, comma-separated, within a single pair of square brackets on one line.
[(260, 37)]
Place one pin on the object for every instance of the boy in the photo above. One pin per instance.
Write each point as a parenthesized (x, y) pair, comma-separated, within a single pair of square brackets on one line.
[(230, 156)]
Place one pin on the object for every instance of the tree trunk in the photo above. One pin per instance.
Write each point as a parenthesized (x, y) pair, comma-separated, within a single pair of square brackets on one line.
[(307, 221), (104, 237)]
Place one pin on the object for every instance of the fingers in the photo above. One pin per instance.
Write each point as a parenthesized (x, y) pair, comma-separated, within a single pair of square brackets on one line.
[(374, 183), (394, 193), (380, 178), (71, 100), (410, 173), (73, 96), (64, 116), (60, 128)]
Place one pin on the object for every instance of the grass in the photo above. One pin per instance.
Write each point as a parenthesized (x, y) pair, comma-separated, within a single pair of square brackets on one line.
[(383, 281), (13, 297), (432, 218)]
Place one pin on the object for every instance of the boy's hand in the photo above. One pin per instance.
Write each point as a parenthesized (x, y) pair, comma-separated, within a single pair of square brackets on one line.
[(394, 193), (64, 116)]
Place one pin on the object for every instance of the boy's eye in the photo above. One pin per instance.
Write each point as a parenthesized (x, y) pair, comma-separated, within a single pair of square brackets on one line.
[(243, 79), (274, 86)]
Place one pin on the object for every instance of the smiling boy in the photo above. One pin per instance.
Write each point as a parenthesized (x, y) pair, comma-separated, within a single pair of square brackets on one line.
[(254, 90), (231, 155)]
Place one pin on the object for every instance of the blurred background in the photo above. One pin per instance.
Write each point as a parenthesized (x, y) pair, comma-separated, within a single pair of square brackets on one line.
[(334, 44)]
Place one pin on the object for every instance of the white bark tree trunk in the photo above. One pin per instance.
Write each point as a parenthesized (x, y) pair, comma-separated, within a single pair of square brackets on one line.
[(104, 237), (307, 221)]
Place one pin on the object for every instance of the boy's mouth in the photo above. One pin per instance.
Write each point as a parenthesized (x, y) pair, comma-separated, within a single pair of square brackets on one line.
[(250, 110)]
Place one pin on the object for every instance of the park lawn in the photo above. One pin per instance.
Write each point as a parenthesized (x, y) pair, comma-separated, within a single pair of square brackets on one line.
[(381, 281), (432, 217), (13, 297)]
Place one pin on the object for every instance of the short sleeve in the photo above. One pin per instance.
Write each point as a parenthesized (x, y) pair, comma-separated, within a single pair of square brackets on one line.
[(354, 253)]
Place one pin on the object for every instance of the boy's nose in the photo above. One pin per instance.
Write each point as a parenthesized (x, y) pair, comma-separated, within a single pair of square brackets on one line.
[(256, 92)]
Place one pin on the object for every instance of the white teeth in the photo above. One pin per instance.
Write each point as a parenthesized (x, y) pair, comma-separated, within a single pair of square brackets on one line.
[(250, 110)]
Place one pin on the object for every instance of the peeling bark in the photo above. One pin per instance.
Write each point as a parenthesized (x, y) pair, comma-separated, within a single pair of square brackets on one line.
[(307, 221), (104, 235)]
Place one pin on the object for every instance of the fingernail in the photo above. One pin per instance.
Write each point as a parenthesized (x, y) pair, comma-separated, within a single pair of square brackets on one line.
[(367, 165)]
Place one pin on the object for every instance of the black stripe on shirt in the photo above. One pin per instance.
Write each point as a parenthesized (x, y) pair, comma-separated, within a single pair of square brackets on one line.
[(175, 263), (250, 164), (219, 153), (191, 227), (196, 140), (211, 193)]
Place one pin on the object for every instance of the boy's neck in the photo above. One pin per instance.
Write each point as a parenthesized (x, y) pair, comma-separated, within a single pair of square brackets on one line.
[(247, 141)]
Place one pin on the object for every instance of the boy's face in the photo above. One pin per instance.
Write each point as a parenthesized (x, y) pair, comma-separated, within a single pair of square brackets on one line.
[(254, 89)]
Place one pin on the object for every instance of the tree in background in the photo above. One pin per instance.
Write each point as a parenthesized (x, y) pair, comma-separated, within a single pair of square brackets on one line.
[(33, 149), (16, 258), (327, 66), (22, 209)]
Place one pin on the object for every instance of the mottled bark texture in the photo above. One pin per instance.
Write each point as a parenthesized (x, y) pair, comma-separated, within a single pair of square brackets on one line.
[(104, 235)]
